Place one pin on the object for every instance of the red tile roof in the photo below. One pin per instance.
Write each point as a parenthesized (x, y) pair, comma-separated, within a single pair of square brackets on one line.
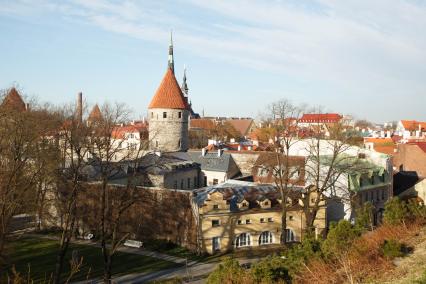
[(95, 114), (120, 131), (14, 100), (241, 125), (421, 145), (206, 124), (413, 125), (168, 94), (321, 117)]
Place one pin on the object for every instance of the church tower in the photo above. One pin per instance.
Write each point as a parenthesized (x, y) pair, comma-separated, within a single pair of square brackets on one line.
[(168, 114)]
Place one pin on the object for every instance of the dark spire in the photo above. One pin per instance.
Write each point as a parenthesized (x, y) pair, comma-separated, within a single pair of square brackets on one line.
[(171, 60), (184, 84)]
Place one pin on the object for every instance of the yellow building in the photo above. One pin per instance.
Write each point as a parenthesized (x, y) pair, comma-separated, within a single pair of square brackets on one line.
[(237, 215)]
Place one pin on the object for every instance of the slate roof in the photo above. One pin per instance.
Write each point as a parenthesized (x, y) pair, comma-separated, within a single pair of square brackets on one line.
[(210, 161), (169, 94), (236, 191)]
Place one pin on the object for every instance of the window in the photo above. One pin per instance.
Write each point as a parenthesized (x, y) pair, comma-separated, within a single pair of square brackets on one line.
[(262, 172), (289, 235), (189, 182), (215, 181), (156, 143), (205, 181), (215, 206), (215, 223), (265, 238), (181, 184), (243, 240), (175, 185), (270, 220), (262, 220), (383, 177), (239, 222), (216, 243), (179, 114), (383, 194), (290, 218), (248, 221), (179, 143), (152, 115), (164, 114), (195, 182), (266, 203)]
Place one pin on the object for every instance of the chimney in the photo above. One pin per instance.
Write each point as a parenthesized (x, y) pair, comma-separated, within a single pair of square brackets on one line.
[(219, 152), (203, 152), (80, 106)]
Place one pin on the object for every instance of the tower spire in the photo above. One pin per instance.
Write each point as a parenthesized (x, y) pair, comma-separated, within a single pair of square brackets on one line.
[(184, 84), (171, 60)]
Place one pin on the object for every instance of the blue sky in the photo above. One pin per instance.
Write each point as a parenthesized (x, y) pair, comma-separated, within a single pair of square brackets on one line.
[(361, 57)]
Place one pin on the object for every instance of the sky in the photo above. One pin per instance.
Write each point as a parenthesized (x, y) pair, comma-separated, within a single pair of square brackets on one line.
[(365, 58)]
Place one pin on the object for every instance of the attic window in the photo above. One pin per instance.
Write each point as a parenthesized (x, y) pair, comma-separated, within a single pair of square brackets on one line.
[(180, 114), (215, 206)]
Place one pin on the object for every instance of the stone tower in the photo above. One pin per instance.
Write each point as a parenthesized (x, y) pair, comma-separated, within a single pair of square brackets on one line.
[(168, 115)]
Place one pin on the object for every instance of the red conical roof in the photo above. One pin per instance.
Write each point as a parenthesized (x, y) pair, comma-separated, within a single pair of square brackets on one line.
[(95, 114), (14, 100), (168, 94)]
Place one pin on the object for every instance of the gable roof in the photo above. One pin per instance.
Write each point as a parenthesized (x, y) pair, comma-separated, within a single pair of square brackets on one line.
[(13, 100), (413, 124), (321, 117), (168, 94), (241, 125)]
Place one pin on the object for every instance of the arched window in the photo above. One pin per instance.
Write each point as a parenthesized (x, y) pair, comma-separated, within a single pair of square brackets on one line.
[(265, 238), (243, 240)]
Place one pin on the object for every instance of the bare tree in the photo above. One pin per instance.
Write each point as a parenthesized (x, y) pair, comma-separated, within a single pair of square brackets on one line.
[(329, 157), (20, 135), (283, 117), (73, 140), (111, 157)]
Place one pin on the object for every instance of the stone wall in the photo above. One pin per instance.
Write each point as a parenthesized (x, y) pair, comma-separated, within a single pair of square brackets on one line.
[(156, 214), (410, 158), (168, 134)]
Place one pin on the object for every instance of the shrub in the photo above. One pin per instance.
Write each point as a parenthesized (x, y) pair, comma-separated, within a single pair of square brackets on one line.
[(395, 211), (271, 270), (340, 238), (229, 271), (364, 217), (422, 279), (391, 249)]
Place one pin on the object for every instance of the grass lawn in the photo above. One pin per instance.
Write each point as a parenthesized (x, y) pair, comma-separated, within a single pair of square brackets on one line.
[(40, 256)]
